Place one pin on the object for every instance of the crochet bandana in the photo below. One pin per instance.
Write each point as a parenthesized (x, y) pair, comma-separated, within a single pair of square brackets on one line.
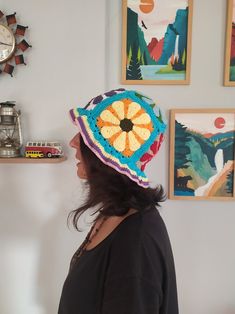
[(124, 129)]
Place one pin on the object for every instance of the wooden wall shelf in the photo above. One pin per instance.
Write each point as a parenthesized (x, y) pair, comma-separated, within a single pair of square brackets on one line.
[(24, 160)]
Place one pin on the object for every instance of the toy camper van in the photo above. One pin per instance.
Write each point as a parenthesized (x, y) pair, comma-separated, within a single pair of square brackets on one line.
[(43, 149)]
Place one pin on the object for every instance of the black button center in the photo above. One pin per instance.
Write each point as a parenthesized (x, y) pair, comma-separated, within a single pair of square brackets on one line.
[(126, 125)]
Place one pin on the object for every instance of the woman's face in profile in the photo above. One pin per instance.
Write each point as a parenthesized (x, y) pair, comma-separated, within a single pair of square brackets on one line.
[(75, 143)]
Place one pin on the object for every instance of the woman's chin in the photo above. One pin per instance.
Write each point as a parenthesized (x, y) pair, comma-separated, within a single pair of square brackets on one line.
[(80, 174)]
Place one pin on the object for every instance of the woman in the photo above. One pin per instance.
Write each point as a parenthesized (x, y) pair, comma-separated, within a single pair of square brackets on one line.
[(125, 265)]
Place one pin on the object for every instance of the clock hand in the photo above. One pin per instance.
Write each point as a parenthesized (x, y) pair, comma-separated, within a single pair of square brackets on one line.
[(1, 43)]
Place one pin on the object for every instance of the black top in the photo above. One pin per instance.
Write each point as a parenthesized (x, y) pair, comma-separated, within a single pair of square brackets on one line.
[(130, 272)]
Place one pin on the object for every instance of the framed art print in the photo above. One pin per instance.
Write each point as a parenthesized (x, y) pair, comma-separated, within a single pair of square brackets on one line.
[(229, 72), (156, 41), (202, 149)]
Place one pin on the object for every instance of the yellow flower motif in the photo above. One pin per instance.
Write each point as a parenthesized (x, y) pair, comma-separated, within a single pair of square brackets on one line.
[(125, 125)]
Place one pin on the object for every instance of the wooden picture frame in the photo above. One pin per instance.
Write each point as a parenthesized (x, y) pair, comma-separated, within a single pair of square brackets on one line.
[(156, 42), (229, 68), (202, 153)]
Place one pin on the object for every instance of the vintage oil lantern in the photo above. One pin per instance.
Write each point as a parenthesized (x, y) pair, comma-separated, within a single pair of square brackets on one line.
[(10, 130)]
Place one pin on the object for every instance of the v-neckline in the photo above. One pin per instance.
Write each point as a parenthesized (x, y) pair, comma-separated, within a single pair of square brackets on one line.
[(112, 232)]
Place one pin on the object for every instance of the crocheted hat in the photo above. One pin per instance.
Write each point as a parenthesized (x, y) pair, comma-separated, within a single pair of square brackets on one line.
[(124, 129)]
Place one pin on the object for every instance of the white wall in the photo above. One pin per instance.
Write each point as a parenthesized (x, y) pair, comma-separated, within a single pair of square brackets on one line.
[(76, 55)]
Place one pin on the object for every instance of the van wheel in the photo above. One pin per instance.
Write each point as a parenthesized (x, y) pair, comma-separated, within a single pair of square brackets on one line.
[(49, 155)]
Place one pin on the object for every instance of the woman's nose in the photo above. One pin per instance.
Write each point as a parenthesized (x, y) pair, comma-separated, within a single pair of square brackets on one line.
[(71, 144), (74, 143)]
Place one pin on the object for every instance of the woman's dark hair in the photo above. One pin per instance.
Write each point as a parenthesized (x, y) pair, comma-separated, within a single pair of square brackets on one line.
[(114, 193)]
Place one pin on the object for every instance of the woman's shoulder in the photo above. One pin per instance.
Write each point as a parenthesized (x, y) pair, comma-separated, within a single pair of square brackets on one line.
[(148, 221), (140, 242), (140, 229)]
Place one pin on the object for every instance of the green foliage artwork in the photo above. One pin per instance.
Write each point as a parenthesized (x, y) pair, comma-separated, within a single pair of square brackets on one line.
[(133, 69)]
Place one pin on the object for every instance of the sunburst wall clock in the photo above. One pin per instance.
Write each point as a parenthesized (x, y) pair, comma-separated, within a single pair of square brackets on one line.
[(12, 43)]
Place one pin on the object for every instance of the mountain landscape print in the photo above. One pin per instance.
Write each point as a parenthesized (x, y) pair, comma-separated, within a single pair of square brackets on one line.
[(232, 53), (230, 45), (156, 41), (202, 152)]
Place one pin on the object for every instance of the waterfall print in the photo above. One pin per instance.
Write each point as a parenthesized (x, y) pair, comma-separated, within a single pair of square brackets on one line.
[(202, 154), (156, 41), (229, 73)]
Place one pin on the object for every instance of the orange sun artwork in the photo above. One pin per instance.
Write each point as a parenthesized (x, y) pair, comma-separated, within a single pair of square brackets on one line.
[(219, 122), (146, 6)]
